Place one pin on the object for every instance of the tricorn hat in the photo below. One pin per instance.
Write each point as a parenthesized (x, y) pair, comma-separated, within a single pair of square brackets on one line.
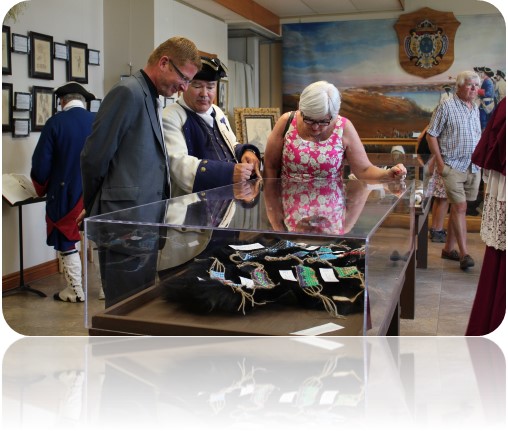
[(74, 87), (211, 70), (488, 71), (501, 74)]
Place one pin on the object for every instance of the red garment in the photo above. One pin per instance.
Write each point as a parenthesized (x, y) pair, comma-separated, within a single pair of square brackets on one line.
[(490, 153), (489, 305), (67, 224)]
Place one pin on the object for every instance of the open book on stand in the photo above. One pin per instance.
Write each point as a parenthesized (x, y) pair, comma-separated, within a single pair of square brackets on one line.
[(18, 188)]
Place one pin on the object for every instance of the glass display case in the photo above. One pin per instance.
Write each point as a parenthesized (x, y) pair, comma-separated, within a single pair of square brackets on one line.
[(270, 257)]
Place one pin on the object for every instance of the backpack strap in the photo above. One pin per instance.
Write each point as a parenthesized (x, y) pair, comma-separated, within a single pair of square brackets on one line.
[(291, 116)]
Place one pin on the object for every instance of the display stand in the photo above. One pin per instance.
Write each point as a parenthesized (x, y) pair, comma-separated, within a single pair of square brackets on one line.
[(14, 188)]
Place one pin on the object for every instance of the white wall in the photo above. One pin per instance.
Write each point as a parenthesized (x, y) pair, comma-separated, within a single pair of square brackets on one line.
[(75, 20), (175, 19), (82, 21)]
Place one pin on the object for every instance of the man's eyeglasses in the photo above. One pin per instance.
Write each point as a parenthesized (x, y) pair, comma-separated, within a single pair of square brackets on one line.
[(311, 122), (179, 73)]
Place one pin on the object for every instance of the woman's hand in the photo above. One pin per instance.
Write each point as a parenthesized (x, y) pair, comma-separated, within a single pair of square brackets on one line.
[(398, 171)]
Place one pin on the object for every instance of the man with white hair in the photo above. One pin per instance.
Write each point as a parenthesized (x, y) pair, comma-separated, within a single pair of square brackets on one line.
[(453, 133)]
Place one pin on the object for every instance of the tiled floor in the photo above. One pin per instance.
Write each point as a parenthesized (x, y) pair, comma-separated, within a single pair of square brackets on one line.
[(444, 296)]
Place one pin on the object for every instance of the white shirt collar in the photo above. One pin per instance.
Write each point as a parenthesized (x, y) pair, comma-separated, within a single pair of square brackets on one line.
[(206, 116), (74, 104)]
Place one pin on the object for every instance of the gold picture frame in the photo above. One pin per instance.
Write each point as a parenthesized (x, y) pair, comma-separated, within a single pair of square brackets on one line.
[(253, 125)]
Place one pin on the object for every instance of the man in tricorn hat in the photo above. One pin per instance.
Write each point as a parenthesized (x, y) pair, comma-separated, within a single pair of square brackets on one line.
[(486, 95), (203, 150), (500, 86), (56, 174)]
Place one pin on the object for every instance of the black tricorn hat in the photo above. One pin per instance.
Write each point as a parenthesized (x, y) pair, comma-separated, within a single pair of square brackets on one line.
[(501, 74), (488, 71), (211, 70), (74, 87)]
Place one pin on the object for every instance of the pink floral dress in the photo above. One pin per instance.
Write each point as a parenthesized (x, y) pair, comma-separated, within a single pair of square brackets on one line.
[(306, 159), (317, 205), (314, 206)]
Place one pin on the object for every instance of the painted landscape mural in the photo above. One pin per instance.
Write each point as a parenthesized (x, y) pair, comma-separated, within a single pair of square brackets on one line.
[(362, 59)]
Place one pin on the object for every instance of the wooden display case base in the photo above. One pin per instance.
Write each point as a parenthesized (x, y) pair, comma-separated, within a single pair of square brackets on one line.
[(147, 313)]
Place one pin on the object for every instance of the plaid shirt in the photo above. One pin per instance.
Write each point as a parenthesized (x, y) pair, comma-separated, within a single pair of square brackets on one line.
[(458, 131)]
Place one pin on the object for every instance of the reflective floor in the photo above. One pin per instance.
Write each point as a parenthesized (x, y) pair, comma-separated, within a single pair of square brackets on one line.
[(444, 296), (283, 383)]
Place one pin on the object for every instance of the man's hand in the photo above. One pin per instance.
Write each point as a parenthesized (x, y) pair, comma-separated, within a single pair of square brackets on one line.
[(249, 156), (81, 217), (242, 172)]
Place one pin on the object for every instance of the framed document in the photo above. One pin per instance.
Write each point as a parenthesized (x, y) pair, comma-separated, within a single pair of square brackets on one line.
[(223, 95), (21, 127), (43, 106), (22, 101), (77, 66), (6, 50), (41, 56), (61, 51), (6, 107), (19, 43), (253, 125), (94, 57), (94, 105)]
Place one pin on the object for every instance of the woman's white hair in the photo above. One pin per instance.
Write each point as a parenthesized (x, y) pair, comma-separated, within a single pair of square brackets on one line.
[(319, 100)]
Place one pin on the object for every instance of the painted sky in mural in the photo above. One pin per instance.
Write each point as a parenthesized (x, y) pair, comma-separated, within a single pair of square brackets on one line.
[(365, 52)]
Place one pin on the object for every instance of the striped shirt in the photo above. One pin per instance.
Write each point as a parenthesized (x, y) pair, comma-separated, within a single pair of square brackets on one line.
[(457, 129)]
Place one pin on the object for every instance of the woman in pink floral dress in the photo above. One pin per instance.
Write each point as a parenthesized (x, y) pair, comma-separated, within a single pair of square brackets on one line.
[(312, 144), (318, 140)]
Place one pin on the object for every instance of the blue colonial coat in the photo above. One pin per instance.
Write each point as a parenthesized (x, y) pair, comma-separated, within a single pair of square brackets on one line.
[(56, 173), (194, 162)]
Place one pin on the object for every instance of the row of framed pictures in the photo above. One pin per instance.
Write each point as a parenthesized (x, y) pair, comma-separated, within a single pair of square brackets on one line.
[(42, 51), (40, 105)]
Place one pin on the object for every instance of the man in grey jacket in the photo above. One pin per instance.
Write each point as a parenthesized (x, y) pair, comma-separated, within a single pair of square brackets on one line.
[(124, 162)]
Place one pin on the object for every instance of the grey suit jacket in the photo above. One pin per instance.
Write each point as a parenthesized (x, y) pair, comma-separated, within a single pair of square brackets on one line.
[(123, 162)]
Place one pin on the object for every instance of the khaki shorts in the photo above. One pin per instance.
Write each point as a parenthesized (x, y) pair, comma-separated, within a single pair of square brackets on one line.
[(460, 186)]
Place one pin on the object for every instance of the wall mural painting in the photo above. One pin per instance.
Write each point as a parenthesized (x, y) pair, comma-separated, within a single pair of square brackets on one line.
[(361, 58)]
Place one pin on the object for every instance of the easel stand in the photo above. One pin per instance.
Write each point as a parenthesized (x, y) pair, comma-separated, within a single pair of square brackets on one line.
[(22, 286)]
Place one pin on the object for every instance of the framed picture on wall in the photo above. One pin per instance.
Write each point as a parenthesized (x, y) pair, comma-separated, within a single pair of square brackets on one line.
[(223, 95), (6, 107), (22, 101), (6, 50), (19, 43), (94, 57), (41, 56), (21, 127), (77, 66), (61, 51), (93, 105), (253, 125), (43, 106)]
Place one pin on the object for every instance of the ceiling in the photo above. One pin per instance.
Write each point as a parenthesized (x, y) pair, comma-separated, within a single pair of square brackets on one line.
[(292, 11)]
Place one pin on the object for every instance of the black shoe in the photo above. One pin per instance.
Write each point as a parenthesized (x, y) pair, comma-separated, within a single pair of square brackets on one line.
[(437, 235), (466, 262)]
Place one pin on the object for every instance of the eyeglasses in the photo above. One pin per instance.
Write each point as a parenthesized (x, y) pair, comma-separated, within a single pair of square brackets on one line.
[(179, 73), (311, 122)]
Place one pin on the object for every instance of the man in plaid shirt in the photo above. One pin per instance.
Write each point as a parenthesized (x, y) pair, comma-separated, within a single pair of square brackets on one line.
[(453, 134)]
